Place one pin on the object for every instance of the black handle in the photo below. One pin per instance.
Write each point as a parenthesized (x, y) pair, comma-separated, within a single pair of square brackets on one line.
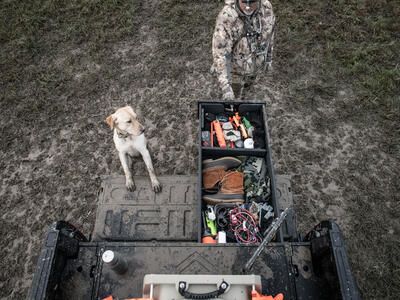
[(188, 295)]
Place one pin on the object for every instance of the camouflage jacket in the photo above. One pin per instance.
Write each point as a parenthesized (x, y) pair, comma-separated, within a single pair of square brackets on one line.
[(236, 55)]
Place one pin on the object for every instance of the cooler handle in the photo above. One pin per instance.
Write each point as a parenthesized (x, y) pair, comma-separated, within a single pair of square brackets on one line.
[(188, 295)]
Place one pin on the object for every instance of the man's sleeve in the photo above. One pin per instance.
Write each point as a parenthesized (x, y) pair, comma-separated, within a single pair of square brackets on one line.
[(271, 24), (271, 47), (222, 50)]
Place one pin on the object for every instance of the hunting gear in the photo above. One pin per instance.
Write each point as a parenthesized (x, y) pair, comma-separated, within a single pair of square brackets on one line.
[(242, 44), (256, 181), (231, 180)]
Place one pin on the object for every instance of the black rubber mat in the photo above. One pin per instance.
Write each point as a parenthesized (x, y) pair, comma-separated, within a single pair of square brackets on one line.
[(284, 197), (190, 259), (143, 215), (171, 215)]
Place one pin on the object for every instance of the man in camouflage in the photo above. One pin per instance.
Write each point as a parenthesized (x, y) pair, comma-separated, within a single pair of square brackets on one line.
[(242, 44)]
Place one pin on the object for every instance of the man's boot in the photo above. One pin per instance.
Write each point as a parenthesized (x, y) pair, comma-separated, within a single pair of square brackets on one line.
[(231, 190), (214, 170)]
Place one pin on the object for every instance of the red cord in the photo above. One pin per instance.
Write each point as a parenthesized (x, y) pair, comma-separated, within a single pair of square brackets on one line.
[(244, 226)]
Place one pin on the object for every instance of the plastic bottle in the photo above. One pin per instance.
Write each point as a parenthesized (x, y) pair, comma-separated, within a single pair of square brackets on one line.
[(221, 237)]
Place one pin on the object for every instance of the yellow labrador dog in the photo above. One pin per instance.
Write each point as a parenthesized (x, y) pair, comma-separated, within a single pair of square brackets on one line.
[(130, 141)]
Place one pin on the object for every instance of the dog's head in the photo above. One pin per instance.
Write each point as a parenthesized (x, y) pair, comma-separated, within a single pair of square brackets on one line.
[(125, 119)]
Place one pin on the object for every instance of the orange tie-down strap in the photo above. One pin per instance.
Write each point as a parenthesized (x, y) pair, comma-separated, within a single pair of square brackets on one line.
[(254, 296), (111, 298), (257, 296)]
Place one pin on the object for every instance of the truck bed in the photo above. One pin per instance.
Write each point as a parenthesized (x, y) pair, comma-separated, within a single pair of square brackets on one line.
[(285, 268), (70, 266)]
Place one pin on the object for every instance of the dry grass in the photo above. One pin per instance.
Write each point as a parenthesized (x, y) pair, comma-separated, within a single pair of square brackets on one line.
[(326, 46)]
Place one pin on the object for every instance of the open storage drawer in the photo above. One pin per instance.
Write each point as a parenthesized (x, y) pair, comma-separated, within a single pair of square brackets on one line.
[(264, 206)]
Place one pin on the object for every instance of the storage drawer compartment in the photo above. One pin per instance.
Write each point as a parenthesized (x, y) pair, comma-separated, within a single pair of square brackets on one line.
[(239, 122), (237, 192)]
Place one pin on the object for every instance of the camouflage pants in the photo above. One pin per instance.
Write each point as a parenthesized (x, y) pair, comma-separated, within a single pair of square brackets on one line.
[(242, 85)]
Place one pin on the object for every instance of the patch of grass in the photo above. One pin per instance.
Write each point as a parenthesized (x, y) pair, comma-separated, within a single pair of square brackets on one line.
[(352, 42), (34, 33), (322, 48), (29, 24), (336, 45), (184, 30)]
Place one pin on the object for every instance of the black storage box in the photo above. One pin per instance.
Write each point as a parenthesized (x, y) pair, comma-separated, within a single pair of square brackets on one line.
[(255, 112)]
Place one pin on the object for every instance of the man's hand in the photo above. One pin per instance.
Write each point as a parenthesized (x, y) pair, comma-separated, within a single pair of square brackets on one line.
[(227, 93)]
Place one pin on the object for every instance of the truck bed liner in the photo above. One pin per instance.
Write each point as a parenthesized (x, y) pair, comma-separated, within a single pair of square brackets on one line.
[(171, 215), (285, 268), (144, 215)]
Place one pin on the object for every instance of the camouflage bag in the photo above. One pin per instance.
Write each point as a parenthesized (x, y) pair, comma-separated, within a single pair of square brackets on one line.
[(256, 180)]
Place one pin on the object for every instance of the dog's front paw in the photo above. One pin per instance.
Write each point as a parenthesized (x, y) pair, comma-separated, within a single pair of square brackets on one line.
[(130, 185), (157, 187)]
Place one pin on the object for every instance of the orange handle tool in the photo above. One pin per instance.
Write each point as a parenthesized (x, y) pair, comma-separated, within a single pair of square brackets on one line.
[(233, 123), (219, 133), (236, 122), (237, 116), (243, 131)]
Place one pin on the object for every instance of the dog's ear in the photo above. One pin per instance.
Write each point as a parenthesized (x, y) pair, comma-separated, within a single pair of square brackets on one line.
[(130, 110), (110, 121)]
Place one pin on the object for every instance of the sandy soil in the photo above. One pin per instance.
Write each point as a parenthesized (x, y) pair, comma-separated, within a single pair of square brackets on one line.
[(55, 144)]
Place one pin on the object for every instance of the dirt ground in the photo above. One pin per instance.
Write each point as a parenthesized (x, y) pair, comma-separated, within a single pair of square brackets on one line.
[(334, 123)]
